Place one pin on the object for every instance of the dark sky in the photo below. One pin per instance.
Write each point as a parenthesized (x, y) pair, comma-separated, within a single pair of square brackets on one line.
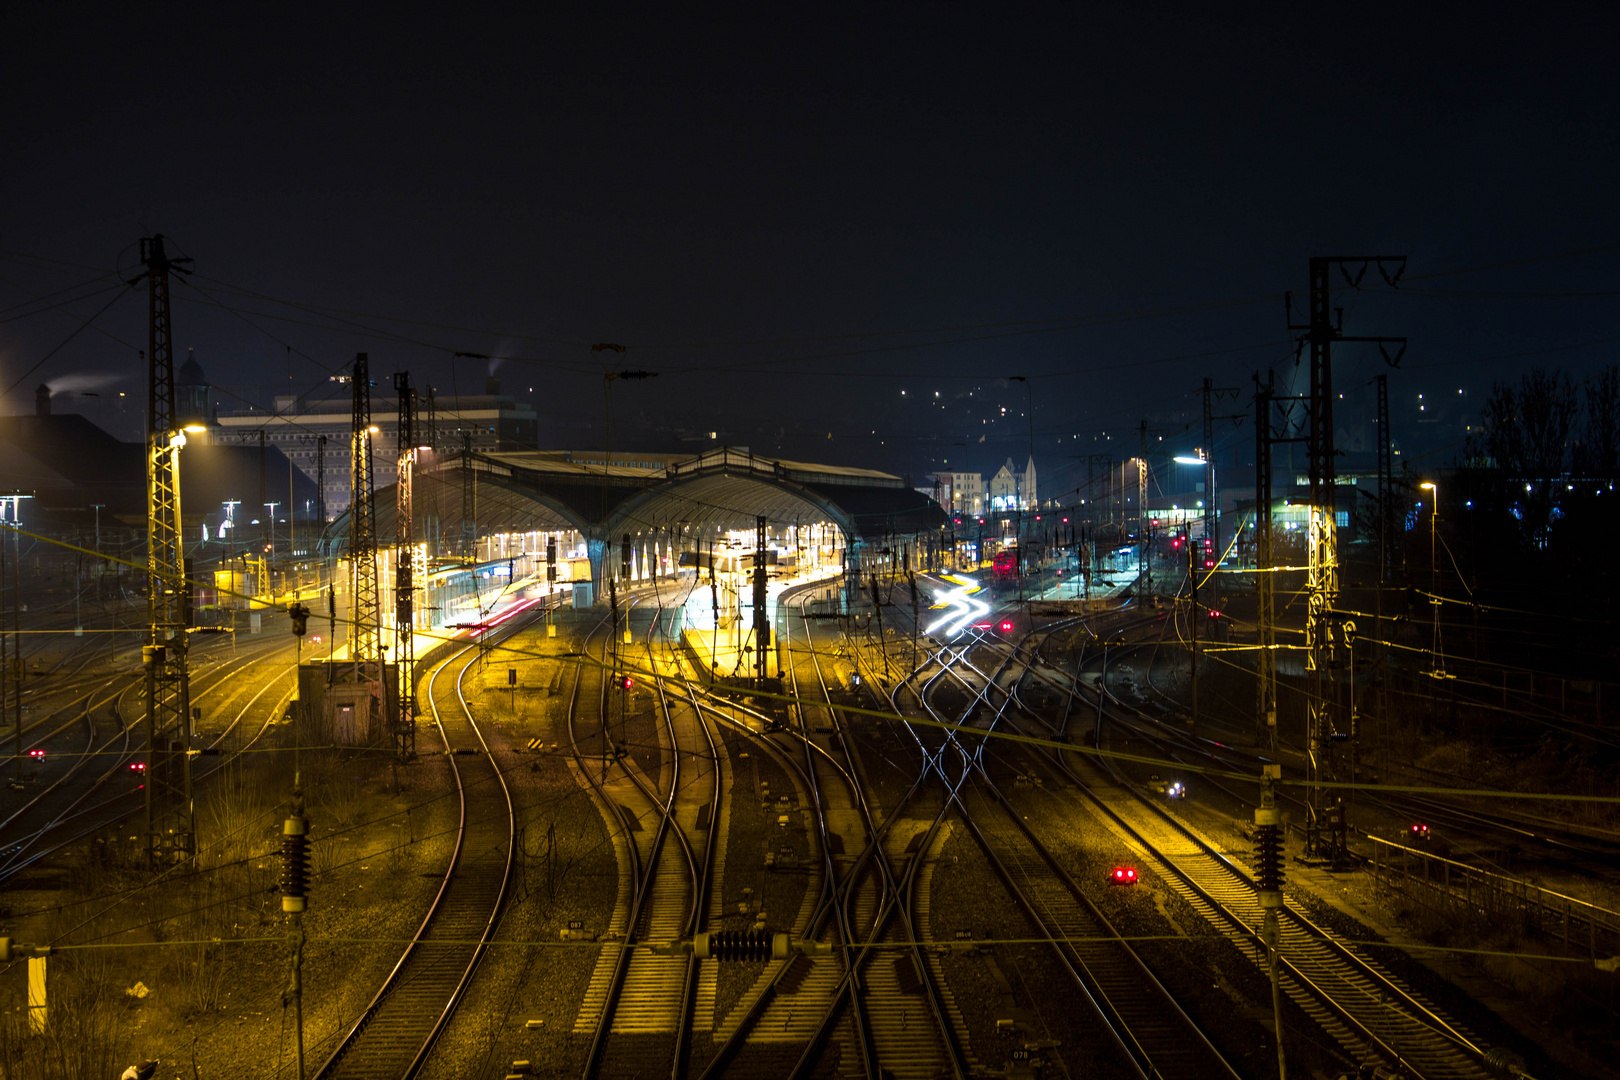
[(796, 217)]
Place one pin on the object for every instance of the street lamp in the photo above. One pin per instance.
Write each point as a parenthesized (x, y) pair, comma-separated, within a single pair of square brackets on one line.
[(1434, 578), (1193, 568), (270, 551), (1212, 506)]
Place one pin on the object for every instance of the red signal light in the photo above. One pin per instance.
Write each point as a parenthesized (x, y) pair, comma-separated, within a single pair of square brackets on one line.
[(1006, 626), (626, 682), (137, 766), (1420, 832), (37, 754), (1214, 614), (1124, 875)]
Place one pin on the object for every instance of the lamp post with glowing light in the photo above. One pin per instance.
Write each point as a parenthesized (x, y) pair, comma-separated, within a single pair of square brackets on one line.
[(1193, 569), (1434, 577), (270, 548)]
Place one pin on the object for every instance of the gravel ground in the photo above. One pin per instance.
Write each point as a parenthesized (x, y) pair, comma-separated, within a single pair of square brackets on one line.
[(967, 896), (778, 891), (532, 976), (378, 855), (1350, 904)]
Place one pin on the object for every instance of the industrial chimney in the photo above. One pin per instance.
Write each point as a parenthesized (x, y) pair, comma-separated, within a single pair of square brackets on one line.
[(42, 400)]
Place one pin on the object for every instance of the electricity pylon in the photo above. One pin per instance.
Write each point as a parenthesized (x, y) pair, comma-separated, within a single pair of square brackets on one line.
[(170, 820), (404, 720), (366, 614)]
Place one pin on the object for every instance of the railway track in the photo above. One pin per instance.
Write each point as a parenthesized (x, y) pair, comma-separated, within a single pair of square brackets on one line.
[(877, 1001), (67, 811), (636, 992), (1149, 1032), (1365, 1009), (396, 1031)]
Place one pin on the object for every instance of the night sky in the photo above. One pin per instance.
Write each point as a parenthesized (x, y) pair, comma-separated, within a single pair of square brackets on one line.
[(811, 224)]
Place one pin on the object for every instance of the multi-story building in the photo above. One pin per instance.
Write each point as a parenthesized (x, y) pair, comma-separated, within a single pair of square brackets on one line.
[(1004, 488), (1011, 490), (490, 421), (967, 493)]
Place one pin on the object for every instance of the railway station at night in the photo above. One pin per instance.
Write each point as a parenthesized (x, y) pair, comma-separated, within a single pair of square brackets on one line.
[(934, 543)]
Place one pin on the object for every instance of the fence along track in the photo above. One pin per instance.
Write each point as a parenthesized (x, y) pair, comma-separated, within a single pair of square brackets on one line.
[(392, 1038)]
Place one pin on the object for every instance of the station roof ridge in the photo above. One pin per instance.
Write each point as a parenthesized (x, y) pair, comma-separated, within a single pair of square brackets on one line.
[(529, 490)]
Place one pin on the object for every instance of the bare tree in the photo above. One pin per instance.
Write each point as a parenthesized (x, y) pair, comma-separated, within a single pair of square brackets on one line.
[(1600, 442), (1527, 432)]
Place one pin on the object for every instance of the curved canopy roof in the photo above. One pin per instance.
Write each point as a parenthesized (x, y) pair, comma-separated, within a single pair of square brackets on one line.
[(724, 489)]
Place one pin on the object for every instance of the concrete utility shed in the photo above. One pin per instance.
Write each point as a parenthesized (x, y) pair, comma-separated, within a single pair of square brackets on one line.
[(720, 490)]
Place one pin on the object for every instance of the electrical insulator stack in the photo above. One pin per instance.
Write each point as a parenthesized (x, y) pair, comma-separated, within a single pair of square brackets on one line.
[(1268, 845), (294, 864), (741, 945), (1268, 842)]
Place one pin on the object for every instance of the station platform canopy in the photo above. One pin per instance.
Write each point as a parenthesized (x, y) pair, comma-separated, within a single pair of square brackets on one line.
[(723, 489)]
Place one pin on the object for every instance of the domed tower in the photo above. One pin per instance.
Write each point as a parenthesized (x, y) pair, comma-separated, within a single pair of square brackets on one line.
[(191, 392)]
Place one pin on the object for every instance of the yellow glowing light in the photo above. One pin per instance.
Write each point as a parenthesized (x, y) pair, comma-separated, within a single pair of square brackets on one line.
[(196, 429)]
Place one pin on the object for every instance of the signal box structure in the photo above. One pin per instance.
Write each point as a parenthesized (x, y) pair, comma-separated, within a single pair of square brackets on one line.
[(342, 709)]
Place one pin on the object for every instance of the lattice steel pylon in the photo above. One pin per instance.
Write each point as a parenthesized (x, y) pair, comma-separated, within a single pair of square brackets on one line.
[(404, 720), (1265, 592), (1327, 632), (170, 818), (365, 614)]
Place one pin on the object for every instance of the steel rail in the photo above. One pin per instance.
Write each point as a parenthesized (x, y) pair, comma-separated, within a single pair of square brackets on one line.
[(16, 863), (394, 1034)]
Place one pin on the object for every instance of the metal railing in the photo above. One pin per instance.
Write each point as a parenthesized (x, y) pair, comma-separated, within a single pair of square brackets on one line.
[(1459, 890)]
